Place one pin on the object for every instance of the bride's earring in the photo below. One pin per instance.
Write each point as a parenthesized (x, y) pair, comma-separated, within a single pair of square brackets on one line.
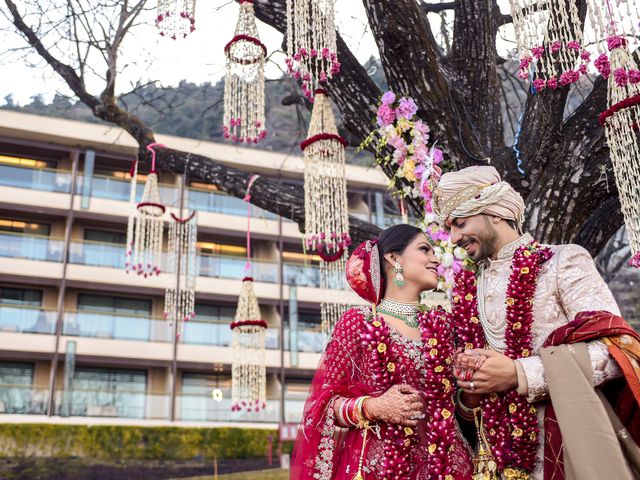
[(398, 278)]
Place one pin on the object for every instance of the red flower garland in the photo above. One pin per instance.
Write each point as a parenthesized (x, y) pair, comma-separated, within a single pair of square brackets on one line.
[(438, 345), (511, 422)]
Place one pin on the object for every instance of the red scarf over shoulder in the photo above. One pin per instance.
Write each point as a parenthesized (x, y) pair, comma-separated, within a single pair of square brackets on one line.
[(624, 394)]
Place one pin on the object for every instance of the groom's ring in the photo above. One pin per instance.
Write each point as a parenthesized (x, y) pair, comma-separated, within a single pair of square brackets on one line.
[(472, 387)]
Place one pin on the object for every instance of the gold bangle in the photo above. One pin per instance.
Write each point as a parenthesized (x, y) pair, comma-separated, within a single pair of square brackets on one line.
[(465, 412)]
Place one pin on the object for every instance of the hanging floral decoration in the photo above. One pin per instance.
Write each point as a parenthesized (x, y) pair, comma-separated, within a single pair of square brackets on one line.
[(244, 111), (176, 18), (145, 224), (180, 299), (325, 200), (511, 422), (550, 42), (312, 54), (248, 340), (622, 118)]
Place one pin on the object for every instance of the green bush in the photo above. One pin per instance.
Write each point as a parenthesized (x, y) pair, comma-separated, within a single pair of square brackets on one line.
[(132, 443)]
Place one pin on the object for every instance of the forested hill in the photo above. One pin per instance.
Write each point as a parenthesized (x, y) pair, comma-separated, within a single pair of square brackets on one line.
[(195, 111)]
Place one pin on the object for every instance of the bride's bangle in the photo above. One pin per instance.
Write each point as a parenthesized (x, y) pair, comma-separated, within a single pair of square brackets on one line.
[(465, 412)]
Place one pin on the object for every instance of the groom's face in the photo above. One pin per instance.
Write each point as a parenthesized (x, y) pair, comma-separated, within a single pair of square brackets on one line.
[(475, 234)]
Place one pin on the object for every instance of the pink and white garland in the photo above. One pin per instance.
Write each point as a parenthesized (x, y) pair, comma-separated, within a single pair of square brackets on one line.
[(176, 18), (511, 422)]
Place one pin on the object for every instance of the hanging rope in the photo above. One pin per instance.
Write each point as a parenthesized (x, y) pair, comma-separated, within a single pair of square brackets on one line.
[(247, 198)]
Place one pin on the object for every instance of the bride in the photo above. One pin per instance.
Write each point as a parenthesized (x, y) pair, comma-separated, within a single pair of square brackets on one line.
[(381, 402)]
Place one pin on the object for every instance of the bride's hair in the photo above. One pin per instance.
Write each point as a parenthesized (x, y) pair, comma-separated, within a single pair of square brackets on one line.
[(395, 239)]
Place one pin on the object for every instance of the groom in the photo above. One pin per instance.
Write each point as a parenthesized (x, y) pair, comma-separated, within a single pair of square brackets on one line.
[(485, 216)]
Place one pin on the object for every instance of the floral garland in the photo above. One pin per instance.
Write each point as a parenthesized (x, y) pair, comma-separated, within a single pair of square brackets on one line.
[(635, 260), (510, 420), (567, 77), (436, 337), (622, 76)]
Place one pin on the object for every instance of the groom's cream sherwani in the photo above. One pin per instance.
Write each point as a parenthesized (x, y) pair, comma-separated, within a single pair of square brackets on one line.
[(568, 283)]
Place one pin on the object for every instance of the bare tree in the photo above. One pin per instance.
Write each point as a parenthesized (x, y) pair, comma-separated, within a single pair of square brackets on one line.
[(457, 87)]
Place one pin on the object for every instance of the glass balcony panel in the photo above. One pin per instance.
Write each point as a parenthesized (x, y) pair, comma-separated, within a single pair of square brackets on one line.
[(97, 254), (23, 399), (301, 275), (22, 319), (203, 408), (31, 247), (206, 333), (117, 327), (43, 179)]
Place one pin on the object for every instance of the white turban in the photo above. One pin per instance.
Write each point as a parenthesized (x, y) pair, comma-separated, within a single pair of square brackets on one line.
[(476, 190)]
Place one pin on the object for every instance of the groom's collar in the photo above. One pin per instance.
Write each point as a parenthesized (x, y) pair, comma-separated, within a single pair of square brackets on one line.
[(508, 250)]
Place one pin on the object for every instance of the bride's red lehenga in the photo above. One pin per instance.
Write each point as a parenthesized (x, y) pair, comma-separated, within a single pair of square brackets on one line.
[(366, 356)]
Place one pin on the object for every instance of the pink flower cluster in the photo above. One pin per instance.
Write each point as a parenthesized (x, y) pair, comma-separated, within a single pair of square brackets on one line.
[(566, 78), (184, 15), (437, 338), (232, 132), (250, 406), (336, 241), (324, 61), (635, 260), (406, 108)]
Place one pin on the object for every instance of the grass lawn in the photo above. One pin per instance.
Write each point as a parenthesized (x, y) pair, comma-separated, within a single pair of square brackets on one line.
[(275, 474)]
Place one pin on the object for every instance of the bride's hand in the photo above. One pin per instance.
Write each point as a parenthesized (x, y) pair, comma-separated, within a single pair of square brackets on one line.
[(465, 365), (400, 405)]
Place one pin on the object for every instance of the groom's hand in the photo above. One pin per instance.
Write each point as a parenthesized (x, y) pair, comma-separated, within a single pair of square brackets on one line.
[(496, 374)]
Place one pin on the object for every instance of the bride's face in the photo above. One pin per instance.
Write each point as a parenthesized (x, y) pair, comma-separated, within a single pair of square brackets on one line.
[(419, 264)]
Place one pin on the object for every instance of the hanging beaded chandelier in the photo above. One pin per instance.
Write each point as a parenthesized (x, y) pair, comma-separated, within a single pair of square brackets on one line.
[(244, 117), (325, 200), (145, 224), (621, 121), (176, 18), (180, 299), (311, 43), (249, 376), (248, 340), (550, 42)]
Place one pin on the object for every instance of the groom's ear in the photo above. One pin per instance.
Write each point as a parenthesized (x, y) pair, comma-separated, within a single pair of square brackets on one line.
[(495, 219)]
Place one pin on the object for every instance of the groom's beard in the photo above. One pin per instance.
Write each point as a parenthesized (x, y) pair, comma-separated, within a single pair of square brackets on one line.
[(487, 241)]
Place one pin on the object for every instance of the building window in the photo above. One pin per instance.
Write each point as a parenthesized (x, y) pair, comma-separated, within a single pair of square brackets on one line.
[(212, 248), (16, 392), (26, 162), (210, 325), (30, 228), (106, 392), (105, 236), (115, 305), (205, 397), (20, 296)]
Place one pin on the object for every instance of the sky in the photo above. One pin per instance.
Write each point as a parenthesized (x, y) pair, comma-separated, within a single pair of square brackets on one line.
[(147, 56), (198, 58)]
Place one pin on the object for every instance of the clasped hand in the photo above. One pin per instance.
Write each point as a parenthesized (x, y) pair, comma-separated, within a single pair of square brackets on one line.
[(481, 372), (400, 405)]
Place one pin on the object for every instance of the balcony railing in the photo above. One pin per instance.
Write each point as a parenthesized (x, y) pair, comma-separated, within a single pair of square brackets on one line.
[(44, 179), (114, 326), (31, 247), (214, 266), (23, 399), (94, 324), (24, 319), (134, 404)]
